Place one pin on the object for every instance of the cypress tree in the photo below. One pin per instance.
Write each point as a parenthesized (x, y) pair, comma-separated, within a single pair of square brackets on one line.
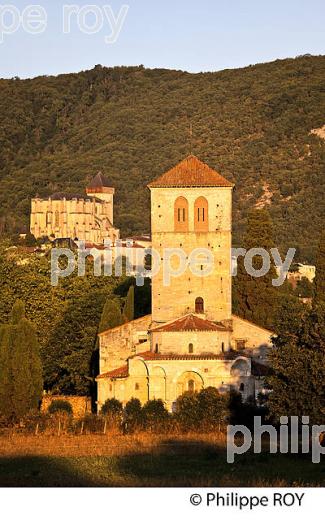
[(111, 316), (128, 310), (320, 271), (21, 380), (256, 299), (6, 382)]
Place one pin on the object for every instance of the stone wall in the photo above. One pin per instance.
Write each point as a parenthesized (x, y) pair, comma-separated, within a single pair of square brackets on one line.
[(167, 380), (117, 344), (81, 405)]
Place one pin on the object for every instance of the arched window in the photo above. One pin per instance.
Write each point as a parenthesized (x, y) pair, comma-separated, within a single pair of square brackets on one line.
[(201, 215), (199, 305), (190, 348), (241, 387), (222, 347), (181, 214), (191, 385)]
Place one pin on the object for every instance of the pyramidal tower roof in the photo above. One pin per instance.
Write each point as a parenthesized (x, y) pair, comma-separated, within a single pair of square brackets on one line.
[(191, 172), (99, 181)]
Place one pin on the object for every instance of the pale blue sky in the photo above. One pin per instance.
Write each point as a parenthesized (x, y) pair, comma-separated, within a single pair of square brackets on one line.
[(193, 35)]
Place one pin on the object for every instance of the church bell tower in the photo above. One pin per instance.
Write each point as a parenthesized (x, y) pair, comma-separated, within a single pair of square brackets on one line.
[(191, 208)]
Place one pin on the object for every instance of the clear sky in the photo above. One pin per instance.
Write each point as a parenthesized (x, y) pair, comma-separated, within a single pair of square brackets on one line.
[(192, 35)]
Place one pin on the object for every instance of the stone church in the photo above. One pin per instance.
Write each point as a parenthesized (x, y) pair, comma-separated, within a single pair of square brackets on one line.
[(191, 340), (74, 216)]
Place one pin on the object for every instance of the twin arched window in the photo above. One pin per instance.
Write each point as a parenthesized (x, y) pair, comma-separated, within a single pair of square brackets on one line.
[(201, 214)]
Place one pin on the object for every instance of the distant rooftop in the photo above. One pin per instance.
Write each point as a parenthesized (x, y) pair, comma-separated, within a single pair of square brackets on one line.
[(99, 181), (60, 195)]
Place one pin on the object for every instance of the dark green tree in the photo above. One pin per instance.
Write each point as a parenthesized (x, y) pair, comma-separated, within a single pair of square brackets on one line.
[(111, 316), (255, 298), (319, 280), (298, 366), (205, 410), (155, 415), (128, 311), (213, 408), (187, 411), (6, 380), (113, 409), (22, 365), (133, 414)]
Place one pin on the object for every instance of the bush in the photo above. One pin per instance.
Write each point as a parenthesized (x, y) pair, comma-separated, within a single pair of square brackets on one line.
[(133, 415), (155, 415), (113, 409), (213, 408), (205, 410), (187, 411), (60, 406)]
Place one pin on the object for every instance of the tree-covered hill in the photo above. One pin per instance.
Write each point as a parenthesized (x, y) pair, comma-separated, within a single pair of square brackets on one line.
[(253, 125)]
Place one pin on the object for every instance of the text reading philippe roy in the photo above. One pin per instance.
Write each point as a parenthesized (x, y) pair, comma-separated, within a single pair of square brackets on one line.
[(246, 501)]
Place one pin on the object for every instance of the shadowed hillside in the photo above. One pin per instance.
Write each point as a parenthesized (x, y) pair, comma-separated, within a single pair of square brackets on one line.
[(253, 125)]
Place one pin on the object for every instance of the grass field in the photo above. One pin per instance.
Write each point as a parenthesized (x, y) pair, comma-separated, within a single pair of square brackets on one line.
[(145, 460)]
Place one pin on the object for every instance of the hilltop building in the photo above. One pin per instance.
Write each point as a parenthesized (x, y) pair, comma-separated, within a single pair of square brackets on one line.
[(191, 340), (75, 216)]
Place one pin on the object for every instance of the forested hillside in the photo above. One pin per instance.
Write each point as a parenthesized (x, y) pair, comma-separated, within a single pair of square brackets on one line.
[(253, 125)]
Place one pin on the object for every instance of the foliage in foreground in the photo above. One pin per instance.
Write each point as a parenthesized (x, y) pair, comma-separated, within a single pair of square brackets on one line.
[(298, 366)]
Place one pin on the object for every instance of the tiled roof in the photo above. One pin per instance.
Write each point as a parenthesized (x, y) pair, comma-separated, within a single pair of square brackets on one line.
[(118, 372), (190, 322), (123, 371), (99, 181), (152, 356), (190, 172)]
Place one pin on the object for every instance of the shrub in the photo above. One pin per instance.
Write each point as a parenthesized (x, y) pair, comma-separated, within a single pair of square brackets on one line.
[(113, 409), (60, 406), (133, 415), (187, 411), (213, 408), (155, 415), (203, 411)]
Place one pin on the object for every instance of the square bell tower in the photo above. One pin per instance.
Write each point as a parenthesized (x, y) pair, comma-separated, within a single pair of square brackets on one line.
[(191, 208)]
